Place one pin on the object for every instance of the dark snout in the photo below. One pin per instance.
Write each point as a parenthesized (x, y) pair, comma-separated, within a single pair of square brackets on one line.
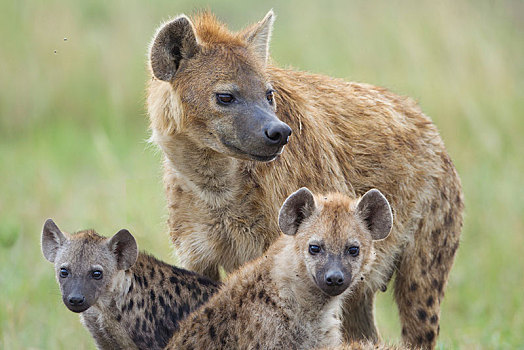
[(259, 133), (277, 133), (334, 280), (76, 302)]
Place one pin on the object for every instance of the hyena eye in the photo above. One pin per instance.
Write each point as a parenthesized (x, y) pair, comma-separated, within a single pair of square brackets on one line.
[(225, 99), (269, 96), (64, 273), (97, 274), (314, 249), (353, 251)]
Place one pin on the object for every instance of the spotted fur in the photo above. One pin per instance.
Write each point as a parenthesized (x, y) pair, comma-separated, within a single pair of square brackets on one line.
[(277, 301), (347, 137), (136, 308)]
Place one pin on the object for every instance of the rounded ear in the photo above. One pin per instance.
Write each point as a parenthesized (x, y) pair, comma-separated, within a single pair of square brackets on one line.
[(173, 42), (123, 246), (376, 212), (297, 207), (52, 240), (258, 36)]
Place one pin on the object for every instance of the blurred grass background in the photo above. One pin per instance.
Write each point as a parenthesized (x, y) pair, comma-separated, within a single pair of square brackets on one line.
[(73, 130)]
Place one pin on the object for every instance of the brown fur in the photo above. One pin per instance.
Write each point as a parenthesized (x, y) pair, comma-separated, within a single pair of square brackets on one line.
[(347, 137), (278, 301), (136, 308), (366, 345)]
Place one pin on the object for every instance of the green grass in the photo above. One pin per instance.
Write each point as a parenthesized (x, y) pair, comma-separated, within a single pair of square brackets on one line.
[(73, 130)]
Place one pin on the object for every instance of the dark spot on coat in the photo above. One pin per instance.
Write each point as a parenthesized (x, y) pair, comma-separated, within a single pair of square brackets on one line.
[(430, 301), (173, 279), (153, 309), (205, 296), (430, 336), (138, 279), (433, 319), (152, 273), (223, 339), (183, 309), (212, 333), (205, 282), (422, 315), (130, 305), (208, 312), (440, 286), (146, 285), (404, 331), (413, 287), (119, 317), (177, 289), (448, 220), (152, 296)]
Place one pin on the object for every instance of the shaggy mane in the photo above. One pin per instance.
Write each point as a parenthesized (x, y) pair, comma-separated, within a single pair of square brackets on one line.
[(210, 30)]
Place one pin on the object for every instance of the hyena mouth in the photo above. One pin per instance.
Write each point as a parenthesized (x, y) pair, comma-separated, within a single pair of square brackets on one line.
[(257, 157)]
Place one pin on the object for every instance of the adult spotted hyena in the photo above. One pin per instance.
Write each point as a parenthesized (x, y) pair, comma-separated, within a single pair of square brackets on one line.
[(222, 114)]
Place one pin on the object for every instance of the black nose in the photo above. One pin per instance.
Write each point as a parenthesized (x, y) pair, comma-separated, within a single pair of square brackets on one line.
[(277, 133), (334, 278), (77, 300)]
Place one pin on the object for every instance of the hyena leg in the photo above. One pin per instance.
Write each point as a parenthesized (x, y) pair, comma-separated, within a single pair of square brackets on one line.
[(422, 275), (357, 317)]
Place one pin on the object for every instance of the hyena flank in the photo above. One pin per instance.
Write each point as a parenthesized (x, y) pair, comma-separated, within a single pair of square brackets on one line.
[(221, 113), (127, 299), (291, 297)]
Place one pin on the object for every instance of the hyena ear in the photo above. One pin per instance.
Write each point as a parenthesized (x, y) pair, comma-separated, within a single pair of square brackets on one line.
[(123, 246), (52, 240), (173, 42), (376, 212), (297, 207), (258, 36)]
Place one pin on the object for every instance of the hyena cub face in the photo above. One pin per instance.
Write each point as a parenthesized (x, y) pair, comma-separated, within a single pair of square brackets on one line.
[(334, 235), (83, 269), (225, 100)]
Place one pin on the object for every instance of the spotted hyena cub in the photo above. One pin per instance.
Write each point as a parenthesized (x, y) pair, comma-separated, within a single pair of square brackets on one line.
[(290, 297), (127, 299)]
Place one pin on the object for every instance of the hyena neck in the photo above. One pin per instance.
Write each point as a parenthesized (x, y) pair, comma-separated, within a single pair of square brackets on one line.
[(211, 176)]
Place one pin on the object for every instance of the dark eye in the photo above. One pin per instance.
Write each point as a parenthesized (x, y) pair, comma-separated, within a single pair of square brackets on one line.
[(353, 251), (97, 274), (64, 273), (314, 249), (225, 99), (269, 96)]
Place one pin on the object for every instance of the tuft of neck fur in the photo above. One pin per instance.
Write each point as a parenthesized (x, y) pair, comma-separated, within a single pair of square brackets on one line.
[(211, 176)]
